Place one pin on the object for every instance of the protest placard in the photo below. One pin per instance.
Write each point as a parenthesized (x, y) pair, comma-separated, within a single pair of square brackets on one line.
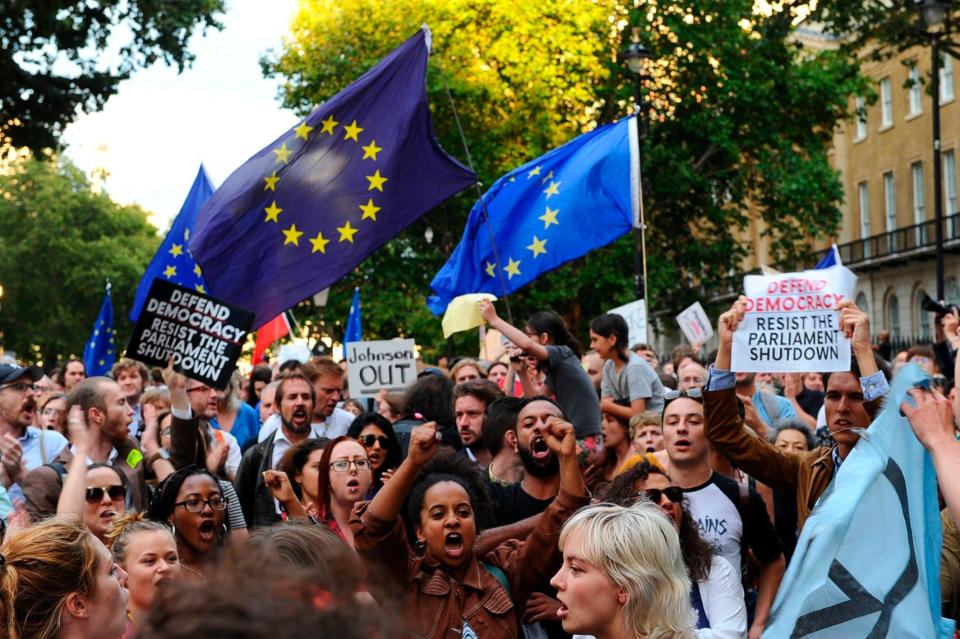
[(387, 364), (790, 325), (695, 324), (635, 313), (203, 334)]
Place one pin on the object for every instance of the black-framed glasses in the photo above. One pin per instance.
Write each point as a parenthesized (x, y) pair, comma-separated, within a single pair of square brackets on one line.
[(116, 493), (694, 393), (196, 505), (673, 493), (205, 389), (370, 440), (22, 387), (343, 465)]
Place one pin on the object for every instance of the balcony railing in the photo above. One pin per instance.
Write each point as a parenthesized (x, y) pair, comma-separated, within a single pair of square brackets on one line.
[(905, 242)]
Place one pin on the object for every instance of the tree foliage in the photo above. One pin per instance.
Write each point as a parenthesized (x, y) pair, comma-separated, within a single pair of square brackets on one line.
[(60, 58), (742, 122), (60, 243)]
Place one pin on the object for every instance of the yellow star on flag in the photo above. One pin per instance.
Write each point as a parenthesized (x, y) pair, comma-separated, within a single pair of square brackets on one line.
[(490, 269), (351, 131), (538, 247), (369, 210), (347, 232), (303, 130), (170, 271), (283, 153), (271, 182), (319, 243), (553, 189), (292, 235), (512, 268), (176, 250), (547, 178), (273, 212), (376, 181), (328, 125), (197, 271), (200, 288), (371, 150), (534, 171), (549, 217)]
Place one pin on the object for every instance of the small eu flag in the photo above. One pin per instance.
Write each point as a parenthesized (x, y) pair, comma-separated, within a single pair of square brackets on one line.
[(576, 198), (100, 351), (354, 331), (309, 207), (173, 261)]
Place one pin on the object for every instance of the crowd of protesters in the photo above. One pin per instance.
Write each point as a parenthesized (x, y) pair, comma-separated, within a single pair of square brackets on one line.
[(544, 492)]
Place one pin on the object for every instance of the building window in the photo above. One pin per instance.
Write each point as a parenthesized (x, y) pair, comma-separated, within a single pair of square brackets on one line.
[(919, 201), (951, 291), (922, 319), (946, 78), (861, 117), (864, 198), (890, 209), (862, 303), (886, 103), (915, 105), (893, 317), (950, 181)]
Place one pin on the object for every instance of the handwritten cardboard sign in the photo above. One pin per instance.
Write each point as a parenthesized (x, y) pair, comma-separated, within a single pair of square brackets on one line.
[(386, 364)]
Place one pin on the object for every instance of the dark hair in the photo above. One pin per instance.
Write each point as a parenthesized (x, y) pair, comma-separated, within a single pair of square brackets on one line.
[(446, 465), (432, 397), (165, 496), (553, 325), (260, 373), (539, 398), (88, 394), (123, 479), (681, 352), (283, 380), (501, 416), (482, 389), (394, 451), (613, 325), (697, 552), (855, 369), (295, 459)]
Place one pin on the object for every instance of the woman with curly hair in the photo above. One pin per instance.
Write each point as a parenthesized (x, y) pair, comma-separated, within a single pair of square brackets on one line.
[(716, 593)]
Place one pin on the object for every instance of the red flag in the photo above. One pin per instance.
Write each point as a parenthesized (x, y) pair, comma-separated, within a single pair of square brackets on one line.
[(269, 333)]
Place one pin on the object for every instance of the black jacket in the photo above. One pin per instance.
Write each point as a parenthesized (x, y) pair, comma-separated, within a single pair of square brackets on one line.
[(256, 499)]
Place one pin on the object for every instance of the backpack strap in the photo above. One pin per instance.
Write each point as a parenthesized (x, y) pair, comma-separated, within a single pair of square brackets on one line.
[(499, 575), (59, 468)]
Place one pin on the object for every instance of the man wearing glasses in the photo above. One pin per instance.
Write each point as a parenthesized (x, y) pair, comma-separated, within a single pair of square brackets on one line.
[(22, 447)]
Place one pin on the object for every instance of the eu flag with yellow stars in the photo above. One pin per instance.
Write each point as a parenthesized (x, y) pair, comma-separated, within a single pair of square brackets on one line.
[(309, 207), (578, 197), (172, 261), (100, 352)]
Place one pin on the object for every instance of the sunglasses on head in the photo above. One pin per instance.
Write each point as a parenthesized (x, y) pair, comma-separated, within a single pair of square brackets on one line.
[(370, 440), (694, 394), (116, 493), (673, 493)]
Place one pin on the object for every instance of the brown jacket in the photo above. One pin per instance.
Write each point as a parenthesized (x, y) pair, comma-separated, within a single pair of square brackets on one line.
[(41, 487), (806, 475), (950, 567), (432, 603)]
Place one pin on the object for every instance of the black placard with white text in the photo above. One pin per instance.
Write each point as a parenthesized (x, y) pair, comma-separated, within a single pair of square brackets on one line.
[(203, 334)]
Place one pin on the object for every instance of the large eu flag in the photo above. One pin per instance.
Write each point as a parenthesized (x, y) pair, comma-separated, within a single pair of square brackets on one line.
[(560, 206), (100, 352), (309, 207), (172, 260)]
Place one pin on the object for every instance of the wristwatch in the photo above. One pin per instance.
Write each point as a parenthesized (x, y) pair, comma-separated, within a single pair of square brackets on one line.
[(163, 453)]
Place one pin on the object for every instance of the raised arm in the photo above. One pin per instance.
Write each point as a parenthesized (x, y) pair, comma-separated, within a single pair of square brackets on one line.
[(932, 421), (73, 493), (520, 339)]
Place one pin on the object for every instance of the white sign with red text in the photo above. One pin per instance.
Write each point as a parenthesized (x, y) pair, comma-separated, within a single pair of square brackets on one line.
[(790, 325)]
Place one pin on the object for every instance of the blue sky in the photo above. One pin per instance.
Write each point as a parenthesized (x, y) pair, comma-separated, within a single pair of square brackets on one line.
[(152, 135)]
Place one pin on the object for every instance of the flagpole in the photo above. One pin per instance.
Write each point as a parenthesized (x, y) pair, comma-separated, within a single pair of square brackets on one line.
[(476, 185)]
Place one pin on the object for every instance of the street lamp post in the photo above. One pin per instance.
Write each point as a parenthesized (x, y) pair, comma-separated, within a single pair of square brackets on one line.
[(935, 16), (637, 58)]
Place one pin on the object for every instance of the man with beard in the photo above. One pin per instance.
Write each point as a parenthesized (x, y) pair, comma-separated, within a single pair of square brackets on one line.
[(541, 479), (470, 403), (295, 397), (330, 421), (107, 414), (22, 447)]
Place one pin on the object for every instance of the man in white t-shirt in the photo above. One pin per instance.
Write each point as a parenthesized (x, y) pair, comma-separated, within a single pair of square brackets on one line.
[(329, 421)]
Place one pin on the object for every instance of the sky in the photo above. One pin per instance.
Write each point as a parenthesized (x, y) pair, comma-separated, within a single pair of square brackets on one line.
[(153, 134)]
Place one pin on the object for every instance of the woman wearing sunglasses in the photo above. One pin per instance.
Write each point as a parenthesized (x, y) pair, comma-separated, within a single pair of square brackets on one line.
[(716, 593), (344, 479), (375, 434)]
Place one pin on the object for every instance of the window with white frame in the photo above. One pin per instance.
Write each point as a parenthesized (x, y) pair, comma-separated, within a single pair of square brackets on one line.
[(893, 316), (890, 200), (946, 78), (861, 105), (922, 318), (914, 95), (862, 302), (950, 181), (863, 193), (886, 103)]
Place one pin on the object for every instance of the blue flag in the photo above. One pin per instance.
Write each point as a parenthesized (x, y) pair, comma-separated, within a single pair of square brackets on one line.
[(867, 562), (173, 261), (100, 351), (832, 258), (576, 198), (354, 331), (309, 207)]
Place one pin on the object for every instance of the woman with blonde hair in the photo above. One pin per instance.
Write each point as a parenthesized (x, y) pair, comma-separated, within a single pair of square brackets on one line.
[(623, 575), (57, 580)]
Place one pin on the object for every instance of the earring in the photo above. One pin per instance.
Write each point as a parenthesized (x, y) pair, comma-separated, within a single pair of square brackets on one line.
[(420, 546), (226, 531)]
